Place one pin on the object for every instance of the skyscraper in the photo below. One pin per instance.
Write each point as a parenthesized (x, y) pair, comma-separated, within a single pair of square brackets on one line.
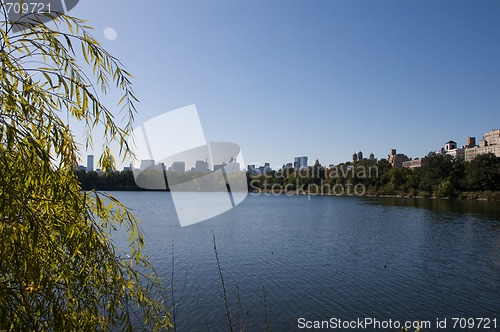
[(179, 167), (147, 163), (201, 166), (90, 163), (360, 155), (300, 162)]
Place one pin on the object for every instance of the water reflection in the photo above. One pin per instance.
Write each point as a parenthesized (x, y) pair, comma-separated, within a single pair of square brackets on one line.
[(323, 257), (445, 207)]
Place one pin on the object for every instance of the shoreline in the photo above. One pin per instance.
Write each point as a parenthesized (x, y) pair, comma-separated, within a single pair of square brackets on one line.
[(463, 196)]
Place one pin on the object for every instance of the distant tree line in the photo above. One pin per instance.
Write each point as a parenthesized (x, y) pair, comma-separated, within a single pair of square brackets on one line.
[(443, 176), (125, 180), (439, 176), (109, 181)]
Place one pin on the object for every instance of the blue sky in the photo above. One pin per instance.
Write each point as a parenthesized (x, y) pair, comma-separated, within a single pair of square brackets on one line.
[(317, 78)]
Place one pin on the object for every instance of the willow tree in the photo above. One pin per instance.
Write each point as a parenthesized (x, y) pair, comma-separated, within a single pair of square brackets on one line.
[(59, 269)]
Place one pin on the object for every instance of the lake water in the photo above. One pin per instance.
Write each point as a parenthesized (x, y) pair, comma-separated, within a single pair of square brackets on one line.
[(328, 258)]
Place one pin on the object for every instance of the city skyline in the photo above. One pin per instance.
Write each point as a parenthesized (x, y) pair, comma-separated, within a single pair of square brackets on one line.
[(489, 143), (322, 79)]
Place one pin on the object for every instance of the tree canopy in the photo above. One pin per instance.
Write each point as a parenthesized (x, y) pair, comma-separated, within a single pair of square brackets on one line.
[(59, 269), (439, 176)]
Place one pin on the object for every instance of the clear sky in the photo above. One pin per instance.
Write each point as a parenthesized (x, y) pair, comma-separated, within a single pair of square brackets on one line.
[(322, 78)]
